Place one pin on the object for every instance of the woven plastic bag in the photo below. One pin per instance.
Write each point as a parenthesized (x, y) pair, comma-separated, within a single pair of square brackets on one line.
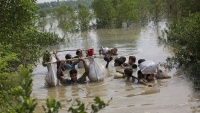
[(51, 77), (148, 67), (96, 70), (104, 50)]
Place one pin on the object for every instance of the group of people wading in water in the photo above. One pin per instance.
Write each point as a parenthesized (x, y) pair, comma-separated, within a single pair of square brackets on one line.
[(108, 55)]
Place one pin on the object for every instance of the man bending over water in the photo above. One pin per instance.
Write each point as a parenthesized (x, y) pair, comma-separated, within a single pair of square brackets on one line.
[(128, 72)]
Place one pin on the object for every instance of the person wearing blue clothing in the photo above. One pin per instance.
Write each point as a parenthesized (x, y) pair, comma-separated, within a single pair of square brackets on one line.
[(68, 64), (73, 74)]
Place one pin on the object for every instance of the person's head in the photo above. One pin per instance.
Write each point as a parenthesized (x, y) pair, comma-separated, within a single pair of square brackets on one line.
[(128, 73), (107, 58), (118, 62), (73, 74), (150, 77), (140, 61), (134, 66), (113, 51), (68, 56), (131, 59), (79, 52), (123, 59)]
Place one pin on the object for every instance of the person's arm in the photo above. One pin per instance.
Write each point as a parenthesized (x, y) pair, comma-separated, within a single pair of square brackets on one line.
[(121, 73), (124, 65), (59, 72), (107, 64), (74, 63), (142, 81), (114, 53), (56, 56), (100, 51), (83, 77), (108, 59)]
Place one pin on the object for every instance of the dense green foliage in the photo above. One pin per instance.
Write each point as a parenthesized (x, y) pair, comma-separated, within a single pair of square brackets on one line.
[(42, 13), (15, 92), (104, 12), (176, 9), (16, 15), (108, 13), (156, 9), (52, 106), (84, 17), (18, 26), (69, 20), (184, 36), (183, 32), (80, 107), (20, 43), (46, 58), (70, 3), (66, 18), (115, 13)]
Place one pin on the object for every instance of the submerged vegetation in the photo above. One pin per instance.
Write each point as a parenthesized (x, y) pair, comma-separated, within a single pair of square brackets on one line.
[(21, 40)]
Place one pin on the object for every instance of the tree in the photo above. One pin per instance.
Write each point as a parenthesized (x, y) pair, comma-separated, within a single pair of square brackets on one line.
[(184, 37), (105, 13), (127, 12), (156, 9), (42, 22), (66, 18), (42, 14), (18, 26), (17, 15), (84, 17)]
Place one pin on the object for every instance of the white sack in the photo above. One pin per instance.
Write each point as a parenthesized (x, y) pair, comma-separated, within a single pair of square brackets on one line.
[(104, 50), (148, 67), (80, 64), (96, 71), (51, 77)]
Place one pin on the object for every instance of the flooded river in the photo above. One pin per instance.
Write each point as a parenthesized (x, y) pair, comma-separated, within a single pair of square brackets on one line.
[(175, 95)]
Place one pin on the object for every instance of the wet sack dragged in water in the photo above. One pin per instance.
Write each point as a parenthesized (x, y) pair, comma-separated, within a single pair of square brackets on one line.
[(51, 77), (148, 67), (96, 70)]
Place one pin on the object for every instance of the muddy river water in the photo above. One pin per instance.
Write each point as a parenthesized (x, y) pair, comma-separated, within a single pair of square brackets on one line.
[(175, 95)]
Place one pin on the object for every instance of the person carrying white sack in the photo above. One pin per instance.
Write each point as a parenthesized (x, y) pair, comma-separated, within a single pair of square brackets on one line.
[(149, 70), (94, 71)]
